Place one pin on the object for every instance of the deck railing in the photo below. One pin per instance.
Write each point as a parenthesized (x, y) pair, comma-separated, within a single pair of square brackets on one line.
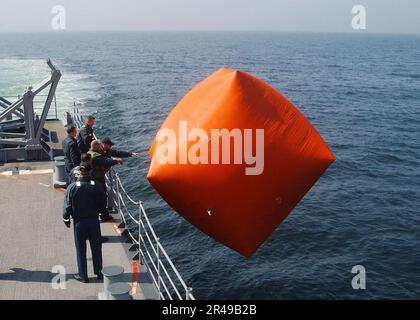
[(165, 276), (135, 220)]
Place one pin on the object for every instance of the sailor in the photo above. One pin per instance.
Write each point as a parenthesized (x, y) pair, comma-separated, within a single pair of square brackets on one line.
[(85, 136), (109, 151), (75, 173), (71, 152), (100, 166), (83, 201)]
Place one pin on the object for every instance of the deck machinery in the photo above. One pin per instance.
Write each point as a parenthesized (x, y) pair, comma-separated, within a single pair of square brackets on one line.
[(22, 133)]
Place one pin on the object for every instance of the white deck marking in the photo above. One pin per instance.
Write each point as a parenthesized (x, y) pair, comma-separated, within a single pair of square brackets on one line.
[(43, 184), (30, 172)]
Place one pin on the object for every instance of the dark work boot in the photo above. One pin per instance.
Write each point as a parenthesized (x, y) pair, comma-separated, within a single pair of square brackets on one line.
[(80, 279)]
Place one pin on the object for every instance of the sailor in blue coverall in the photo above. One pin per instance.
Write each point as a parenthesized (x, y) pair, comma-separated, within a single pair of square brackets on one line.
[(83, 201)]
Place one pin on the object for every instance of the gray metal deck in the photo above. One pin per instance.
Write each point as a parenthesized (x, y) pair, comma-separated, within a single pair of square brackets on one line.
[(34, 240)]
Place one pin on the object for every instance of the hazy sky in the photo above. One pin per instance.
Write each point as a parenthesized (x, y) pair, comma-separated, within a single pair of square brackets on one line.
[(385, 16)]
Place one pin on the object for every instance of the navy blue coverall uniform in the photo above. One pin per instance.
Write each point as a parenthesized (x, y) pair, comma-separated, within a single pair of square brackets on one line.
[(85, 138), (83, 201), (72, 156), (100, 166), (117, 154)]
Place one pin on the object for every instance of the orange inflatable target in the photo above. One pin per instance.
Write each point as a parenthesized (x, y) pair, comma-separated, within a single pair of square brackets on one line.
[(234, 158)]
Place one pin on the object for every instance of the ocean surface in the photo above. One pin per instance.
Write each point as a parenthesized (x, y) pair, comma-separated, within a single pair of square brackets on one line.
[(361, 92)]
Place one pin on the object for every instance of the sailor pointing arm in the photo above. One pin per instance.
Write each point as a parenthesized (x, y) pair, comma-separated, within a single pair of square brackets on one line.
[(109, 151)]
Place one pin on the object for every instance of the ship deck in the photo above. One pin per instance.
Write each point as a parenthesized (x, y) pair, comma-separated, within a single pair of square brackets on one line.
[(35, 243)]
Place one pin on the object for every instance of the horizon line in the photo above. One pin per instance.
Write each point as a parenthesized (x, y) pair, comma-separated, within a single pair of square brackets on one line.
[(208, 31)]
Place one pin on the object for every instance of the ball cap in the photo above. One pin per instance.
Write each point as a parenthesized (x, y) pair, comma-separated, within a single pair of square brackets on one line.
[(107, 141), (85, 167)]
